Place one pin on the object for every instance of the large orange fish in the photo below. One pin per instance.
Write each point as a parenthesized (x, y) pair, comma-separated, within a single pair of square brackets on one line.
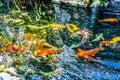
[(14, 47), (109, 20), (47, 51), (88, 53)]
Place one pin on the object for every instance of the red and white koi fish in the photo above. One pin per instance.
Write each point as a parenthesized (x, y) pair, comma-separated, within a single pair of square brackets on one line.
[(84, 32)]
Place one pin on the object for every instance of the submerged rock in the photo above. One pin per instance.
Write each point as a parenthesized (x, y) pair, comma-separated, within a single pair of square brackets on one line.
[(7, 76), (5, 60), (113, 6)]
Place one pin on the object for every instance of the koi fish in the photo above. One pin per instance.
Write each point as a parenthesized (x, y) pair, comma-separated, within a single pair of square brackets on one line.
[(109, 42), (114, 40), (36, 44), (54, 26), (98, 38), (88, 54), (72, 27), (56, 71), (104, 42), (29, 35), (57, 26), (14, 47), (84, 32), (47, 51), (109, 20)]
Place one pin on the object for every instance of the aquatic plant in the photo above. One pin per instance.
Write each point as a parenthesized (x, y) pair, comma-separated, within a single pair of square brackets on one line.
[(94, 3)]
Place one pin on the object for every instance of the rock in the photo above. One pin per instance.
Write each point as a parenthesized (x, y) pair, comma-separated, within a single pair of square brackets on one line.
[(7, 76), (113, 6), (5, 60), (72, 2), (11, 70)]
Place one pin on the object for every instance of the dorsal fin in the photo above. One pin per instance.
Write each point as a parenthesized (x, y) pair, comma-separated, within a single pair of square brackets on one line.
[(80, 50)]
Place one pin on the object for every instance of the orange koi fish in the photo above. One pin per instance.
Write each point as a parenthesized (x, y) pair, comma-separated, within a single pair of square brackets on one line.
[(42, 41), (14, 47), (104, 42), (47, 51), (112, 41), (29, 35), (56, 71), (109, 20), (88, 54)]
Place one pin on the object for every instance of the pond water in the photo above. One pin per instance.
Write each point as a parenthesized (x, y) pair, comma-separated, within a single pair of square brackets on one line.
[(104, 66), (105, 69)]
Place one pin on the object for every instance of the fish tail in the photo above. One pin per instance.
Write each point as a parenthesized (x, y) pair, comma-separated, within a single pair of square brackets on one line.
[(100, 21)]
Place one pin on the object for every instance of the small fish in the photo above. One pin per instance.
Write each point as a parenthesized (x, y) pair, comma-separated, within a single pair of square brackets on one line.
[(29, 35), (47, 51), (56, 71), (39, 43), (98, 38), (109, 20), (84, 32), (72, 27), (14, 47), (42, 41), (54, 26), (57, 26), (115, 39), (104, 42), (88, 53)]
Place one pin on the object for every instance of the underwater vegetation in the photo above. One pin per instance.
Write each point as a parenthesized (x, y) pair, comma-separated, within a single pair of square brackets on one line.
[(32, 39)]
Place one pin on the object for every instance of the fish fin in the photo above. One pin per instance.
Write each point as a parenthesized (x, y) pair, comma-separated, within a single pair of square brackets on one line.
[(80, 50)]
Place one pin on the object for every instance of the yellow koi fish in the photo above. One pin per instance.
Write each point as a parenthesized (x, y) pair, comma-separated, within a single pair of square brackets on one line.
[(72, 27), (54, 26), (114, 40)]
